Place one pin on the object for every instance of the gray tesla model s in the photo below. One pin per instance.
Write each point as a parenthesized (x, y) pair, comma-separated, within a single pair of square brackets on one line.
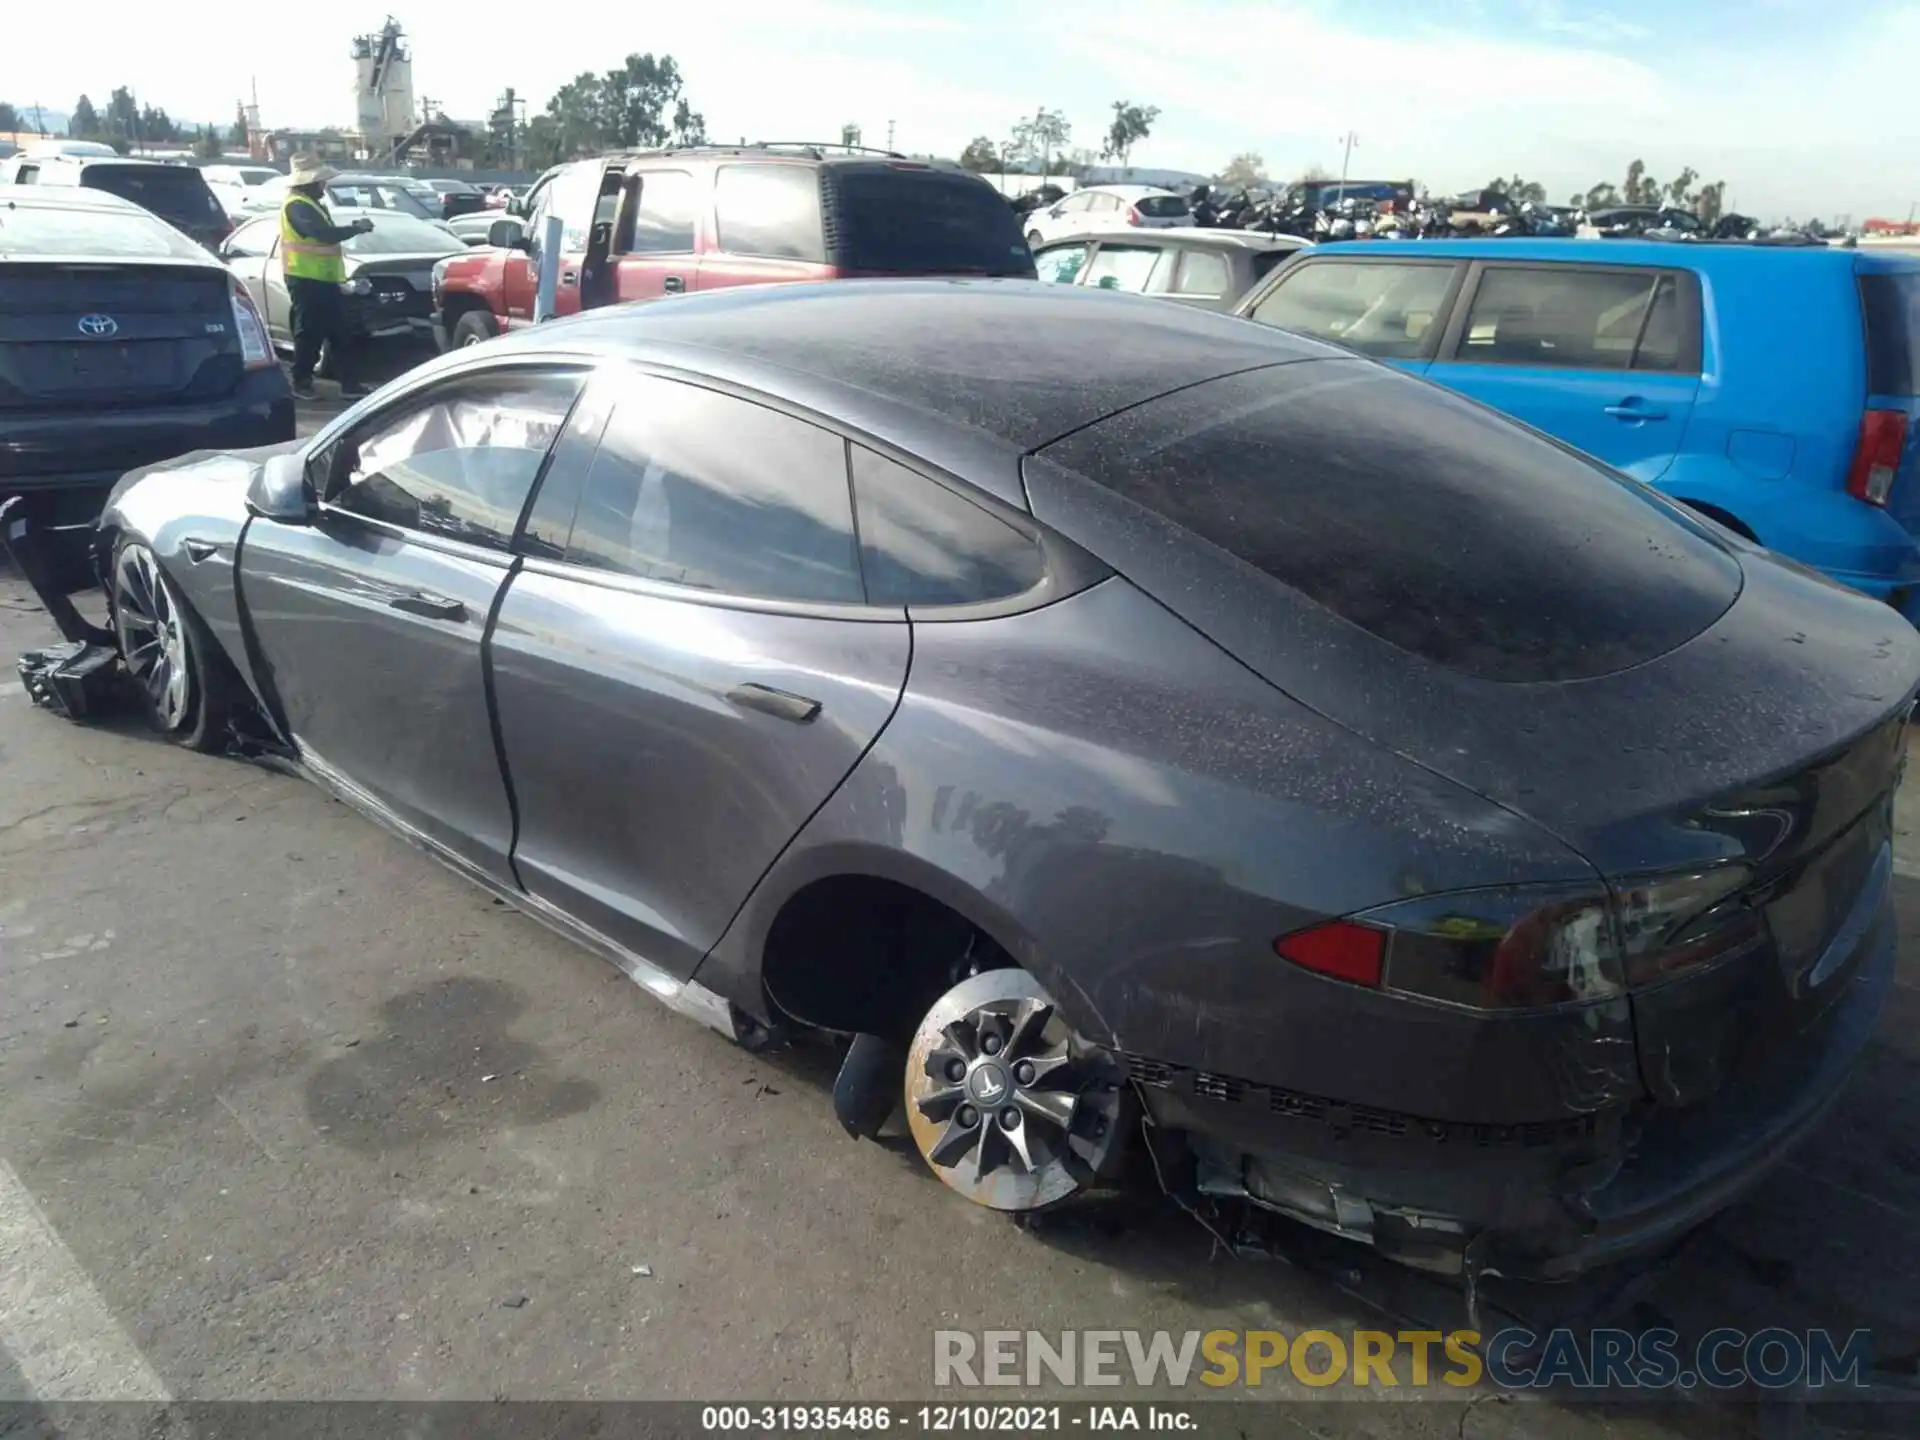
[(1089, 707)]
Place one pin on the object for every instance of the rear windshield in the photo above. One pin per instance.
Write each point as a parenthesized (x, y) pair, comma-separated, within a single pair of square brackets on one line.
[(1162, 207), (173, 192), (1430, 522), (28, 231), (925, 222), (1891, 302)]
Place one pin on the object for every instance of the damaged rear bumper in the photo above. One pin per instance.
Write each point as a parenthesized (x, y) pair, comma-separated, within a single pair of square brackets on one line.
[(1543, 1202)]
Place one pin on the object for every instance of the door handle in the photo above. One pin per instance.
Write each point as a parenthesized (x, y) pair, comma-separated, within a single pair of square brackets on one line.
[(781, 704), (675, 284), (1633, 410), (429, 607), (569, 277)]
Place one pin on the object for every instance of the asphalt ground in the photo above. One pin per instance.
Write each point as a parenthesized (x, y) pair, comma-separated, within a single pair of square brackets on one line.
[(288, 1112)]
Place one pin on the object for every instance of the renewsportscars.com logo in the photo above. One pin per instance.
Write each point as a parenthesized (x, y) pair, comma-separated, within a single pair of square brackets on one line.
[(1514, 1359)]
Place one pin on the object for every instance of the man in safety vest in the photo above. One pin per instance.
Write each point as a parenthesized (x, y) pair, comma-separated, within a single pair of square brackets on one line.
[(310, 252)]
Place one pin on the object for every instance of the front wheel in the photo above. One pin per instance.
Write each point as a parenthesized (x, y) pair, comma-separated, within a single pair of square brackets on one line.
[(183, 687), (472, 328)]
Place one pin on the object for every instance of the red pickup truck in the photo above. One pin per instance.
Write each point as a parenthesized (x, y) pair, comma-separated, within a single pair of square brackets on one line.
[(638, 227)]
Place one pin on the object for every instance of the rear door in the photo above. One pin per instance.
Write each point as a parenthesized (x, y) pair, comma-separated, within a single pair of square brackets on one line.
[(656, 237), (370, 619), (1604, 357), (766, 226), (1890, 301), (686, 666), (1393, 308)]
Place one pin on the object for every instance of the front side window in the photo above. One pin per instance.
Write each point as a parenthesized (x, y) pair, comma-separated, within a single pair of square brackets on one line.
[(1103, 204), (664, 224), (1128, 267), (256, 237), (1559, 316), (1061, 264), (1377, 307), (1076, 202), (691, 487), (769, 210), (459, 461), (923, 544)]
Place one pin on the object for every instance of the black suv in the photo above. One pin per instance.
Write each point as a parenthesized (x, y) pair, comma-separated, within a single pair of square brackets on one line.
[(178, 194), (644, 226)]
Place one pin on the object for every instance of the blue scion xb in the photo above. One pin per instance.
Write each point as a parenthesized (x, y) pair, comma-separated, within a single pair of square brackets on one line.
[(1770, 387)]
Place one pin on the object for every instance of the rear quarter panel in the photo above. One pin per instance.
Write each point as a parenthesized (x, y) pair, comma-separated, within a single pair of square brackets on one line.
[(1777, 414), (1135, 817)]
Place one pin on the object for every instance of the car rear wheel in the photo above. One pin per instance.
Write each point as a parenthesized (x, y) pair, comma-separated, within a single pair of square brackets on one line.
[(472, 328), (183, 689), (1005, 1103)]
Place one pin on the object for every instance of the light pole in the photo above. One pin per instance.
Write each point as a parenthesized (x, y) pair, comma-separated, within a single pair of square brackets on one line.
[(1348, 141)]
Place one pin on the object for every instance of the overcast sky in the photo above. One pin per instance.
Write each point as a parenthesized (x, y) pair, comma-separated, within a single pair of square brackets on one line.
[(1802, 106)]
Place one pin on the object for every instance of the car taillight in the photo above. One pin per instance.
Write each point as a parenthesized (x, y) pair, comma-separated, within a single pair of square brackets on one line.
[(255, 349), (1876, 458), (1133, 214), (1532, 946)]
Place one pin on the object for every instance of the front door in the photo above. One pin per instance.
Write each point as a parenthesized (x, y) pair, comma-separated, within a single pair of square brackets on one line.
[(695, 673), (1604, 357), (573, 195), (370, 620)]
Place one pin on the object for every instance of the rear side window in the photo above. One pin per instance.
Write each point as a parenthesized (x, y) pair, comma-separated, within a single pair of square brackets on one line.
[(173, 192), (1577, 318), (923, 222), (1133, 268), (1891, 302), (1161, 207), (769, 210), (1204, 272), (1418, 516), (1377, 307), (922, 544), (694, 488)]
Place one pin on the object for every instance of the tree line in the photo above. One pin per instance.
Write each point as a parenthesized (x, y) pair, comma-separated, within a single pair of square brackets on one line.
[(1043, 142), (638, 105), (127, 125)]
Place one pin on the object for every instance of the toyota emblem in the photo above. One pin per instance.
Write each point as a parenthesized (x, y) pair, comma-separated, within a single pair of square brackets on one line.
[(98, 326)]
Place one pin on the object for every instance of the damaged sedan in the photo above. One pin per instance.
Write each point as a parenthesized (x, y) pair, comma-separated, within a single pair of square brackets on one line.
[(1437, 838)]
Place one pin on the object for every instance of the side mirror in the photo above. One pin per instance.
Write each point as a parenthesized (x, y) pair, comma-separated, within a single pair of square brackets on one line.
[(279, 491), (505, 235)]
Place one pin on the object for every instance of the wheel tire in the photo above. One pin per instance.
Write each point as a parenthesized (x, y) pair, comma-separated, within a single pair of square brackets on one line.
[(1005, 1103), (185, 688), (474, 327), (1034, 240)]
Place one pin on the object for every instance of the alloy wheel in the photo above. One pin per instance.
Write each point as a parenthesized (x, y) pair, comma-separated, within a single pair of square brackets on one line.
[(1006, 1104), (152, 634)]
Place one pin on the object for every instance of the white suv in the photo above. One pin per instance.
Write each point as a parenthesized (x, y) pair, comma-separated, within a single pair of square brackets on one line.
[(1108, 207)]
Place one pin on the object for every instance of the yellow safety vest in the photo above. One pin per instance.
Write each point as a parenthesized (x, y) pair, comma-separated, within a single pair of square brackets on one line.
[(309, 259)]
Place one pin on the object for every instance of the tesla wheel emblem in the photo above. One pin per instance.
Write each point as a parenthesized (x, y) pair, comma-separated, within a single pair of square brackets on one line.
[(98, 326)]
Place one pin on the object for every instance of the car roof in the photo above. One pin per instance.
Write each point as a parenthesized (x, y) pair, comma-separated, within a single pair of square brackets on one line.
[(51, 197), (1729, 255), (1135, 190), (941, 349), (1201, 235)]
